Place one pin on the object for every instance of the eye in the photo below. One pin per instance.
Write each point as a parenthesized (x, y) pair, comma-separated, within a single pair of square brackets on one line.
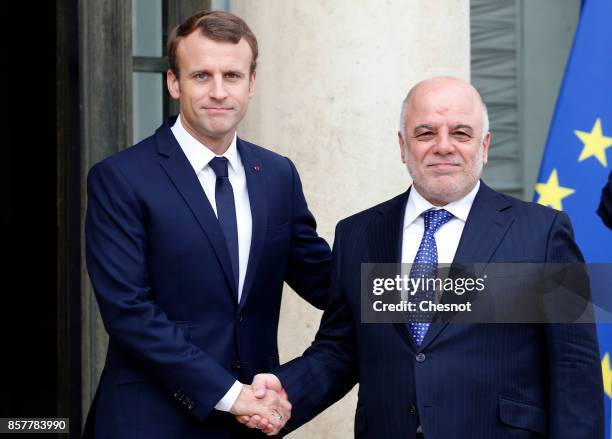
[(233, 76), (462, 136), (425, 136), (200, 76)]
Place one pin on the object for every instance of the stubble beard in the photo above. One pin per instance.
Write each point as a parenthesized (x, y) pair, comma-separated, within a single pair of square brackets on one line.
[(445, 189)]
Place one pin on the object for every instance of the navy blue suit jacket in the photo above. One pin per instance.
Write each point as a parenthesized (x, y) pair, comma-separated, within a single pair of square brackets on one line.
[(160, 269), (465, 380)]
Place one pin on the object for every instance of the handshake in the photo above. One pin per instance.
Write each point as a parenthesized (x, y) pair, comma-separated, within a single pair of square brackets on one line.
[(263, 405)]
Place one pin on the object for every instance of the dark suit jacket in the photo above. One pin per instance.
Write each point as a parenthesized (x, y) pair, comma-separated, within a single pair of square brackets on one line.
[(466, 380), (161, 273), (605, 206)]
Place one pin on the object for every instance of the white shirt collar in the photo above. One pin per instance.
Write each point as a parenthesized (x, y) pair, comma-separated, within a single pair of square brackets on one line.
[(417, 205), (198, 154)]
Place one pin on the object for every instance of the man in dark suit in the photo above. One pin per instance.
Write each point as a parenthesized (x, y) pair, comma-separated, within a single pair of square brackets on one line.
[(190, 235), (605, 206), (431, 379)]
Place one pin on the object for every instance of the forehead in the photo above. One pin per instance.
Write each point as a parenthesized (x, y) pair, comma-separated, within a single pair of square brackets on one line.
[(448, 102), (196, 51)]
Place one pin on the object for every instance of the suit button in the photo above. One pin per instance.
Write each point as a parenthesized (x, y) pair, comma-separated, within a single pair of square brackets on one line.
[(236, 365), (420, 357), (412, 410)]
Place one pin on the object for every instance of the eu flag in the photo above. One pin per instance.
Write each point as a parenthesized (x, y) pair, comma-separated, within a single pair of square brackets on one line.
[(578, 155)]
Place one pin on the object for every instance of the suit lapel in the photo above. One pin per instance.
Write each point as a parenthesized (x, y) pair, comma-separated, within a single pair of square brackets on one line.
[(384, 244), (259, 211), (484, 231), (384, 236), (485, 227), (182, 175)]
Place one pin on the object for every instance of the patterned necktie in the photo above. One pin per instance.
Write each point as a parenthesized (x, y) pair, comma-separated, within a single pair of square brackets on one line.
[(226, 210), (425, 266)]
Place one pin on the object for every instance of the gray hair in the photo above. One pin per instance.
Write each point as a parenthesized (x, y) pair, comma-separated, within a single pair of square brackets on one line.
[(404, 110)]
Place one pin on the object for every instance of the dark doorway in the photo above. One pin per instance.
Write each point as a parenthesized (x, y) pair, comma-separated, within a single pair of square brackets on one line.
[(40, 344), (29, 301)]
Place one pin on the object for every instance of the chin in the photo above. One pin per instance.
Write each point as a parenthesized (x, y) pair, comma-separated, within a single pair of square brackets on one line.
[(447, 190), (217, 131)]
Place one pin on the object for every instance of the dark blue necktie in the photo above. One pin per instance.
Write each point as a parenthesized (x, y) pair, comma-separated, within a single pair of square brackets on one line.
[(425, 266), (226, 211)]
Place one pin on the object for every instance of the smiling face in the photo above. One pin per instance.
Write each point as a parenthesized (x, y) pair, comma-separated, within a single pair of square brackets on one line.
[(442, 143), (214, 87)]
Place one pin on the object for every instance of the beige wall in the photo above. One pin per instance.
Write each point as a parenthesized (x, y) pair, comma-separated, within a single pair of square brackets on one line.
[(331, 78)]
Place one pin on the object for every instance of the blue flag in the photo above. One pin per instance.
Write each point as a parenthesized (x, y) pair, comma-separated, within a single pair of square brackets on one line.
[(578, 155)]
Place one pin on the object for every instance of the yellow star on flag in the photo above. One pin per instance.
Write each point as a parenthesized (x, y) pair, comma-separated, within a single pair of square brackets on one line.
[(607, 374), (551, 193), (595, 143)]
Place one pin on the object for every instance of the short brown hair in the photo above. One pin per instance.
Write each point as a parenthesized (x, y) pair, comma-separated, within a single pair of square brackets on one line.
[(216, 25)]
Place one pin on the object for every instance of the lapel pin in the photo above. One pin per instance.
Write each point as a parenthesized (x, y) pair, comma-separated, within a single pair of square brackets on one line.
[(257, 168)]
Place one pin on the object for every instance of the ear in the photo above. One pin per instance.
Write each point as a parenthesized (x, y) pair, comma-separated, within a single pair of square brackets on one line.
[(485, 147), (173, 85), (402, 145), (252, 84)]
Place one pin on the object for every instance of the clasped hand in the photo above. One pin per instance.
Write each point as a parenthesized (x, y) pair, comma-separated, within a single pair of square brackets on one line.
[(263, 405)]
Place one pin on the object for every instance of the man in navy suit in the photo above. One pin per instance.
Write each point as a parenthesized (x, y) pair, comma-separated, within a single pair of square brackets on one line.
[(190, 235), (431, 379)]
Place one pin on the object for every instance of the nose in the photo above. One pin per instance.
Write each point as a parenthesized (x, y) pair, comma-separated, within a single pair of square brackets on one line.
[(444, 144), (217, 89)]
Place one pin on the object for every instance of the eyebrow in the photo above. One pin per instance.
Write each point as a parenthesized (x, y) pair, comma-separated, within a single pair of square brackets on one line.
[(431, 127), (198, 71), (235, 71), (423, 125), (463, 126)]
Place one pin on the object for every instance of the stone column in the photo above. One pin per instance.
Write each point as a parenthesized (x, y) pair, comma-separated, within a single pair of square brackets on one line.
[(105, 78), (330, 81)]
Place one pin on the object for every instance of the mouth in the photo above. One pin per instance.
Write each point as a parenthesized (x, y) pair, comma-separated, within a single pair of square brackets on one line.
[(443, 166), (217, 110)]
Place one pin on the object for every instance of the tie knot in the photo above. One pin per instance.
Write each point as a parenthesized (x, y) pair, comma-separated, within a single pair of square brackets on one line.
[(434, 219), (219, 165)]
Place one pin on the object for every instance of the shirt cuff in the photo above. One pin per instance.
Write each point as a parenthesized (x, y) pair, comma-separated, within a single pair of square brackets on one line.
[(228, 400)]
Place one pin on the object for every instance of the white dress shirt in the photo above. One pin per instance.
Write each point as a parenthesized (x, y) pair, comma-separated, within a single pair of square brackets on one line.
[(199, 156), (447, 236)]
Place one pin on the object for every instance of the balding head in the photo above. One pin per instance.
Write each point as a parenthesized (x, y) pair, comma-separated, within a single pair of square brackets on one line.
[(444, 138), (439, 80)]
